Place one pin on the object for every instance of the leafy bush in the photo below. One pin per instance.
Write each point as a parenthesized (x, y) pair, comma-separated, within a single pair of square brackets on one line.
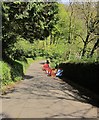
[(13, 71), (5, 73), (56, 53), (26, 63), (16, 71), (22, 49)]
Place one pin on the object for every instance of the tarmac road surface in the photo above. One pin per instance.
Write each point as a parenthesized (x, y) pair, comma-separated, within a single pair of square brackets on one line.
[(40, 96)]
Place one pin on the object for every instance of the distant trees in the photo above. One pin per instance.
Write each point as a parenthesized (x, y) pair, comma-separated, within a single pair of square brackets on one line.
[(96, 31), (88, 13), (82, 25), (78, 29)]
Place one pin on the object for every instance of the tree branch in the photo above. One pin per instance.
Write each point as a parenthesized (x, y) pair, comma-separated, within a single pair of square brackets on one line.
[(80, 37)]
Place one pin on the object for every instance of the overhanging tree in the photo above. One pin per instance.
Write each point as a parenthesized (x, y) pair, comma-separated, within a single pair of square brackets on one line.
[(28, 20)]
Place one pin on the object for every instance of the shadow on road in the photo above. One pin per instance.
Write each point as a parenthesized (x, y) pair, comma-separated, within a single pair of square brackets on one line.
[(83, 77), (27, 77), (81, 94)]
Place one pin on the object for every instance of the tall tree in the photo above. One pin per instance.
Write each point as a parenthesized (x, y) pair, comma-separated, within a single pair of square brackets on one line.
[(28, 20), (87, 13), (96, 23)]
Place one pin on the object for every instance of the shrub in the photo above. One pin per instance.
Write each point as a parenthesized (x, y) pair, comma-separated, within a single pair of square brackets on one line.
[(5, 73), (22, 49), (13, 71)]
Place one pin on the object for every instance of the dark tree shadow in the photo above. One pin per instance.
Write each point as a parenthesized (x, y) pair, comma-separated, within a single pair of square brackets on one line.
[(83, 77), (27, 77), (16, 68)]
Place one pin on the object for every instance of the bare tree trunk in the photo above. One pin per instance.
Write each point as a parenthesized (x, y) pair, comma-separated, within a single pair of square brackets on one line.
[(85, 45), (97, 32), (70, 23), (98, 54), (94, 47)]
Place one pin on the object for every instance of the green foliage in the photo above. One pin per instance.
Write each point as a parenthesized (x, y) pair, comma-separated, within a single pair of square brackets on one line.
[(22, 49), (29, 20), (53, 52), (37, 29), (60, 50), (14, 71), (5, 73), (25, 64)]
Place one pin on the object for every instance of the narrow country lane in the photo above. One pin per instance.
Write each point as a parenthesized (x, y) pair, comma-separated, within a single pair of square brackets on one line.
[(40, 96)]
